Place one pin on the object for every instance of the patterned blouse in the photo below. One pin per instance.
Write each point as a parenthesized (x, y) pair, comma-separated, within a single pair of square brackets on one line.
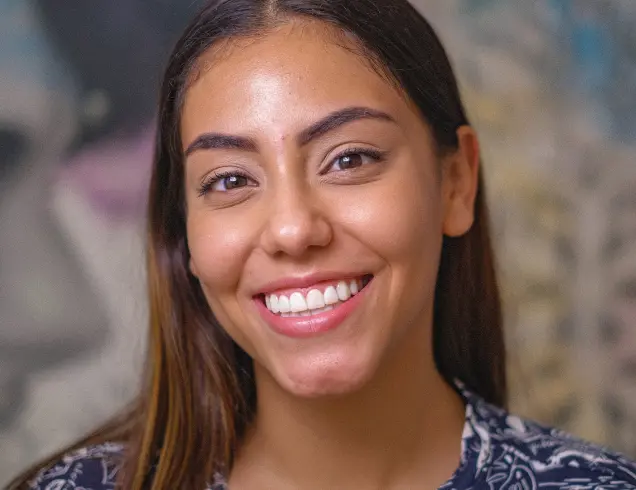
[(499, 452)]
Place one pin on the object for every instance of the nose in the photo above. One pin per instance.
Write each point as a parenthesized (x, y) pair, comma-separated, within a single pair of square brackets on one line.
[(295, 224)]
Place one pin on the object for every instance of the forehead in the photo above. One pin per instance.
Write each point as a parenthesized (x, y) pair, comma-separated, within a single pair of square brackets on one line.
[(294, 73)]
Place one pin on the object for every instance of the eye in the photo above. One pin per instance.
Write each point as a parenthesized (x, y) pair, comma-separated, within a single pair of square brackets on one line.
[(354, 158), (225, 182)]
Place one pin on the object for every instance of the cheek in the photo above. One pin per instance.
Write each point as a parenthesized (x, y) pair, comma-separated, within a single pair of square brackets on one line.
[(217, 250), (399, 219), (402, 223)]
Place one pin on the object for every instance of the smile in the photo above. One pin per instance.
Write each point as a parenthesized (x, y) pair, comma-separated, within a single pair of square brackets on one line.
[(307, 311), (314, 300)]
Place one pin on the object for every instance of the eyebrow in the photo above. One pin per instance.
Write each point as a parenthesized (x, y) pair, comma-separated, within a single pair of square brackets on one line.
[(217, 141), (340, 118), (335, 120)]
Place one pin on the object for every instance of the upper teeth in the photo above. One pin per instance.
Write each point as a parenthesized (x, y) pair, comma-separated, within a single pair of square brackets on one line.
[(314, 300)]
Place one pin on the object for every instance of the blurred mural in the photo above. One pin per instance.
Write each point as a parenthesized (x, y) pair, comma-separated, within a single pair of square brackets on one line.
[(549, 85), (77, 95)]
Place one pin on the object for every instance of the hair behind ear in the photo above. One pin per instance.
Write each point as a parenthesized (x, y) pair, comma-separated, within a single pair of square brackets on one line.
[(468, 335)]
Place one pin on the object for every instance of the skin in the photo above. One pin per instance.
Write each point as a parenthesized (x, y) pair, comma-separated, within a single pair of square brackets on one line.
[(327, 409)]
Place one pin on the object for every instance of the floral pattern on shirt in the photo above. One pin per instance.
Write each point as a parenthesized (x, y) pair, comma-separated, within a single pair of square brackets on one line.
[(499, 452)]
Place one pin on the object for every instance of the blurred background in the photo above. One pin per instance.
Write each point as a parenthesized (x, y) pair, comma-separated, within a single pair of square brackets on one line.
[(549, 85)]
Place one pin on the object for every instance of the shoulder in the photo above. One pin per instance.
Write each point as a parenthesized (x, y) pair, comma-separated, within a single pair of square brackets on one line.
[(90, 468), (524, 454)]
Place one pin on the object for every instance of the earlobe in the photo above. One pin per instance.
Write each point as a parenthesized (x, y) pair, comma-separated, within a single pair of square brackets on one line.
[(459, 186)]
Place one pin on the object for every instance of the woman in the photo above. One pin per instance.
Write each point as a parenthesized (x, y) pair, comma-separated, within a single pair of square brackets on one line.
[(324, 310)]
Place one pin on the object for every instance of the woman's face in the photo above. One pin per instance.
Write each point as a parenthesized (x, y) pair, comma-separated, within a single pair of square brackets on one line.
[(308, 177)]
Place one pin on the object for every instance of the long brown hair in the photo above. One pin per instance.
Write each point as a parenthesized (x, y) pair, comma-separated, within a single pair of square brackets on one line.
[(198, 392)]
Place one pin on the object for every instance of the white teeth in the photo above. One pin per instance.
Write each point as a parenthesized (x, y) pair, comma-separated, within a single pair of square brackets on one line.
[(315, 300), (331, 296), (321, 310), (273, 303), (297, 303), (283, 304), (343, 291), (307, 313)]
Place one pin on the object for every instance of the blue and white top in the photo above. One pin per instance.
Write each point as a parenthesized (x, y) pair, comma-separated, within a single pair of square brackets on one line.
[(499, 452)]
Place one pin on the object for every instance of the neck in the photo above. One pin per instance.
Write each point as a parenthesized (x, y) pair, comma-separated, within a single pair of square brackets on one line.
[(403, 430)]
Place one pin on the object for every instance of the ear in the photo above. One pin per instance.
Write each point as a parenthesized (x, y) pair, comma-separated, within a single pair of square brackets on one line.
[(459, 184)]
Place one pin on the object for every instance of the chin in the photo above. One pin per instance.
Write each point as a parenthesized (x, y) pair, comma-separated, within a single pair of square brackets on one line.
[(324, 376)]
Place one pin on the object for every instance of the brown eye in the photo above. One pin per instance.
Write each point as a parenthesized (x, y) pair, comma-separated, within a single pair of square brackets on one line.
[(352, 160), (225, 182), (233, 182), (355, 158)]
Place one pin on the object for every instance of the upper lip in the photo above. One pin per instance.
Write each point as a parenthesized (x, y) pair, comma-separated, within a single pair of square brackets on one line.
[(306, 281)]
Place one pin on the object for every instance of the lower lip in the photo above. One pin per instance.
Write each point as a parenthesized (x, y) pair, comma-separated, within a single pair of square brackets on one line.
[(308, 326)]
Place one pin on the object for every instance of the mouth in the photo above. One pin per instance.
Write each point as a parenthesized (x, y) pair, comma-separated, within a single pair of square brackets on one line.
[(315, 300)]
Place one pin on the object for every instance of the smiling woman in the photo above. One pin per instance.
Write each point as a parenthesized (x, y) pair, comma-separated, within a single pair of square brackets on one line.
[(324, 309)]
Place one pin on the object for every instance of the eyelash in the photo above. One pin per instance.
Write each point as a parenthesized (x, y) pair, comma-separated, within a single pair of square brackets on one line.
[(217, 176), (375, 155), (212, 180)]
